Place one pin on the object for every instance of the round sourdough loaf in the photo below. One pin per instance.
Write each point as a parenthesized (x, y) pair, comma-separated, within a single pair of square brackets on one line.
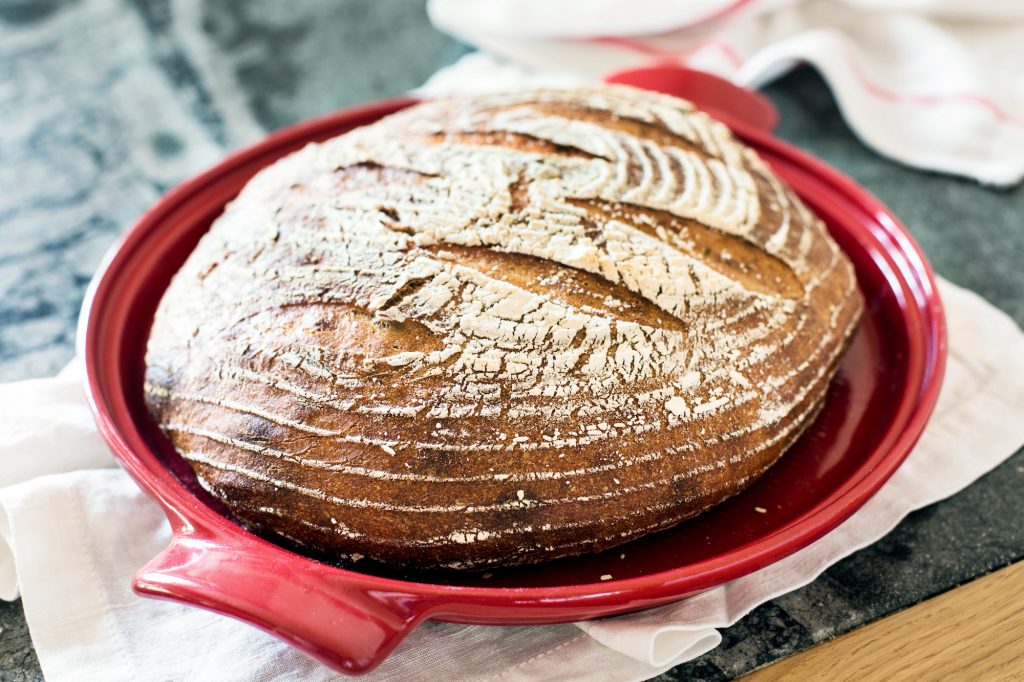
[(500, 330)]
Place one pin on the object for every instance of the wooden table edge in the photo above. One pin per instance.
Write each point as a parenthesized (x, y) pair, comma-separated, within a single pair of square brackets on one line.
[(973, 631)]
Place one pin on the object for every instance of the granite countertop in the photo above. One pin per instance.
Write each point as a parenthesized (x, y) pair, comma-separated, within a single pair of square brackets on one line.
[(105, 104)]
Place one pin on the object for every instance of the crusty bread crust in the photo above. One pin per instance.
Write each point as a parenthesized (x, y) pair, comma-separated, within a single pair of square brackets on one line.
[(500, 330)]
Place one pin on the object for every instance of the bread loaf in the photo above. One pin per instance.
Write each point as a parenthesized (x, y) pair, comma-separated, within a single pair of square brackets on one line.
[(500, 330)]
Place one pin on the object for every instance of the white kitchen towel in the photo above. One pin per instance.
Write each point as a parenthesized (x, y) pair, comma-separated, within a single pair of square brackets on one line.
[(935, 84), (75, 528)]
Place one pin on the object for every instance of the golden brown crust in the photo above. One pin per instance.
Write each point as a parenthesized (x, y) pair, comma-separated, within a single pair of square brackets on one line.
[(500, 330)]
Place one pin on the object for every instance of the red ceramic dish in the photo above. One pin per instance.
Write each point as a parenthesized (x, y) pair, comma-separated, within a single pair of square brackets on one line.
[(876, 409)]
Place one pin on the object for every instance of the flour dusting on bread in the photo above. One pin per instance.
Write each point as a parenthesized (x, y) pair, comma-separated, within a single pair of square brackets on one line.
[(500, 329)]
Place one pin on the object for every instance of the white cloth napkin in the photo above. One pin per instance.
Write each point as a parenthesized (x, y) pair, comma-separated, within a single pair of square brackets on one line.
[(935, 84), (74, 529)]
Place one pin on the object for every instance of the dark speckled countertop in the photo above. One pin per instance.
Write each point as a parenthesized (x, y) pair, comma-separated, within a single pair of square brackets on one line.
[(105, 104)]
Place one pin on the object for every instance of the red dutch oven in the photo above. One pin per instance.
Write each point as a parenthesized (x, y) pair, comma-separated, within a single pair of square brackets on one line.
[(876, 408)]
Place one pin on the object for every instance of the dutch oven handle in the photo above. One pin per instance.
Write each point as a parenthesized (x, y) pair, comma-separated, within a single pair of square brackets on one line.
[(734, 105), (347, 627)]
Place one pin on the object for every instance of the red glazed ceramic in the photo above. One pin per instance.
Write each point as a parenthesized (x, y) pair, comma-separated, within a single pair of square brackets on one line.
[(875, 411)]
